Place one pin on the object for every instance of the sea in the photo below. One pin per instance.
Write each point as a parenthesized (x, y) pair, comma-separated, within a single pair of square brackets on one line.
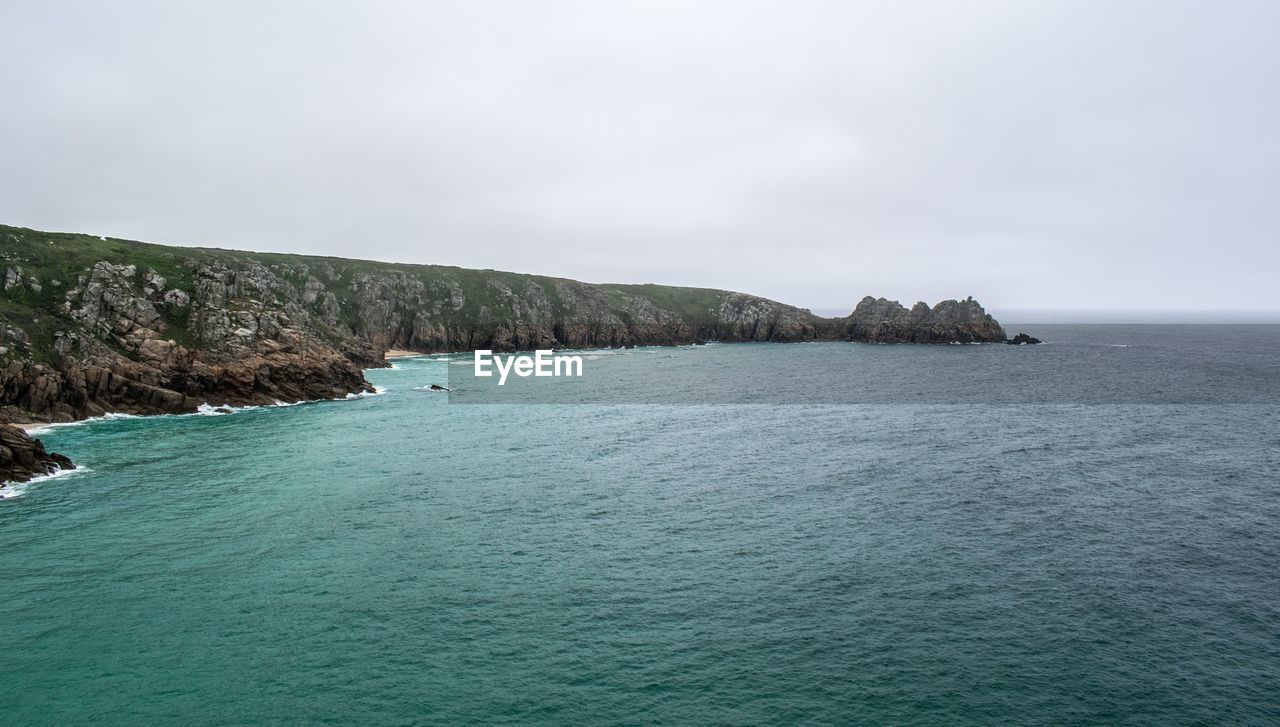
[(1081, 532)]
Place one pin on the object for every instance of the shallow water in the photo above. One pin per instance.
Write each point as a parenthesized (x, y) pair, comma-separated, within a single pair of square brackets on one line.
[(398, 559)]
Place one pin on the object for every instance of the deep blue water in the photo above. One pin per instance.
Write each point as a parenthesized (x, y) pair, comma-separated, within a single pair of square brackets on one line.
[(400, 559)]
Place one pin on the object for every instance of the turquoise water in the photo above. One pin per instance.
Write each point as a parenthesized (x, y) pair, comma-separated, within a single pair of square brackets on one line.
[(398, 559)]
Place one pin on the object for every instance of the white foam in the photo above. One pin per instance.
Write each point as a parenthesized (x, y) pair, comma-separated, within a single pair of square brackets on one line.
[(42, 429), (210, 410), (377, 391), (204, 410), (18, 489)]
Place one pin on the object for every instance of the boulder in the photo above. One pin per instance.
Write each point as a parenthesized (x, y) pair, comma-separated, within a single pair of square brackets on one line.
[(22, 457)]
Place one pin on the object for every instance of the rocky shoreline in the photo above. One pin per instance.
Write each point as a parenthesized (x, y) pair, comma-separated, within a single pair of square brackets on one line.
[(90, 326), (23, 457)]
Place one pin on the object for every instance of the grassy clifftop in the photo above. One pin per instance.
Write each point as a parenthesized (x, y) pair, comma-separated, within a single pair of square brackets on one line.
[(389, 302), (91, 324)]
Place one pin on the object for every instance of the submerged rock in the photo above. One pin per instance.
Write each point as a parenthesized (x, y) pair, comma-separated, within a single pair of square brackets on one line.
[(1023, 339)]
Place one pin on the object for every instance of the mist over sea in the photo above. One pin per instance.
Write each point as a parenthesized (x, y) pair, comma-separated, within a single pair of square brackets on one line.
[(1085, 531)]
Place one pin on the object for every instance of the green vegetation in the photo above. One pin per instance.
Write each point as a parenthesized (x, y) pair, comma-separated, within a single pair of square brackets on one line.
[(697, 305), (452, 296)]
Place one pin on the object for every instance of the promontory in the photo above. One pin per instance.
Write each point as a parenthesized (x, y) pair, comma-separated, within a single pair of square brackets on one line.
[(90, 325)]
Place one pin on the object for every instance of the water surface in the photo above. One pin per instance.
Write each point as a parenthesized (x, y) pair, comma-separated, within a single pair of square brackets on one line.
[(398, 559)]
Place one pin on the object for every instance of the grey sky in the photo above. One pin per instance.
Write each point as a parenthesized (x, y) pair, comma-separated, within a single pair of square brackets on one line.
[(1032, 154)]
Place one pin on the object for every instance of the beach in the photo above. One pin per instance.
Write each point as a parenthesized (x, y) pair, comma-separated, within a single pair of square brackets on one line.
[(399, 353)]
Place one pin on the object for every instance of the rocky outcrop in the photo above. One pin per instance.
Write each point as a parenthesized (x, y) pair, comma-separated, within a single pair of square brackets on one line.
[(748, 318), (109, 306), (167, 378), (1023, 339), (113, 354), (877, 320), (22, 457), (149, 329)]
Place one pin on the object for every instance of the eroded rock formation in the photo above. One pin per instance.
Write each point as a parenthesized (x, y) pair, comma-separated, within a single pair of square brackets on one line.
[(22, 457), (877, 320)]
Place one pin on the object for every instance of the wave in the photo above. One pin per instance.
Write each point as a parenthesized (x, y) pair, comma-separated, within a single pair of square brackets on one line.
[(204, 410), (43, 429), (211, 410), (18, 489), (377, 391)]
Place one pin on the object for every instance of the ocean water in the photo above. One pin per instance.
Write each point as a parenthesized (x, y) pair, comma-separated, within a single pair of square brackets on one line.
[(923, 558)]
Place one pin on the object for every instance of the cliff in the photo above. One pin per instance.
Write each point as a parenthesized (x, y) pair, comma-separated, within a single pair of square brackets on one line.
[(90, 325)]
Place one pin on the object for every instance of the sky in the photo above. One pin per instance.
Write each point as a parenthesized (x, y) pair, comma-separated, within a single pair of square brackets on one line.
[(1035, 155)]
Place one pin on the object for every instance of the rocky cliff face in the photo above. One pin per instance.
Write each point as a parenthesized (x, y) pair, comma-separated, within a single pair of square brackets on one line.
[(952, 321), (90, 325), (110, 350), (22, 457)]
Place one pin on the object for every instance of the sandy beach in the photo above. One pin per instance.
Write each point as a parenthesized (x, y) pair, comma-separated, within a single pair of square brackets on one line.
[(397, 353)]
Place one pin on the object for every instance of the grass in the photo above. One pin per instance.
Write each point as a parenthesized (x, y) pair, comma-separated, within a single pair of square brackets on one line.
[(65, 257)]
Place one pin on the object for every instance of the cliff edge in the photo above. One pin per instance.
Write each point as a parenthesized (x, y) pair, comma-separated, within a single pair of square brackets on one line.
[(90, 325)]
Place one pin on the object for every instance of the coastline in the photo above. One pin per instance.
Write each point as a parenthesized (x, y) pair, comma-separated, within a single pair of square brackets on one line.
[(185, 327), (389, 355)]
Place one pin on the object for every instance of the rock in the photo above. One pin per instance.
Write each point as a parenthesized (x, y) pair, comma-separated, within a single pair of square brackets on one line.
[(110, 306), (64, 343), (877, 320), (252, 330), (176, 298), (1023, 339), (22, 457), (154, 282)]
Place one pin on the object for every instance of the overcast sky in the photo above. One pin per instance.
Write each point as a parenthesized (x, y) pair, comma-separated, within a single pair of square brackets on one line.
[(1031, 154)]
